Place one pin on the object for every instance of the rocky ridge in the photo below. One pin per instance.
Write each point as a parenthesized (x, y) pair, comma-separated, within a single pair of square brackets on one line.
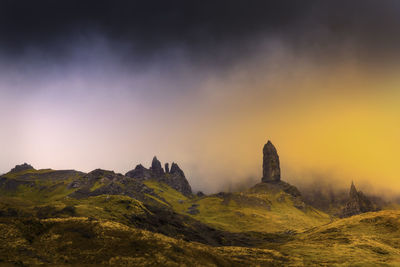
[(173, 177), (103, 182)]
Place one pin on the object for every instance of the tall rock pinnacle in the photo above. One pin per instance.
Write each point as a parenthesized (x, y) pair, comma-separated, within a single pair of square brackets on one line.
[(271, 168), (166, 168), (156, 167)]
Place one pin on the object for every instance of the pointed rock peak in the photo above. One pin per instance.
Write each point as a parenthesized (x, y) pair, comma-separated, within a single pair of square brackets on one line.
[(139, 167), (271, 166), (166, 167), (175, 169), (178, 181), (357, 203), (22, 167), (156, 167), (353, 190), (155, 160)]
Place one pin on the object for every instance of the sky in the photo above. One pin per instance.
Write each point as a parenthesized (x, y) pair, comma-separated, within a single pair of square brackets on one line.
[(110, 84)]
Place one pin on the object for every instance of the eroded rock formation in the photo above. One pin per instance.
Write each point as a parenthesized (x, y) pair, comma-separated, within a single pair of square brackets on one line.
[(166, 168), (177, 180), (271, 168), (357, 203), (156, 167), (173, 177)]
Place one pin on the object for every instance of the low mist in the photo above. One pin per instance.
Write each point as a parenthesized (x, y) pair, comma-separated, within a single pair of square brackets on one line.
[(332, 121)]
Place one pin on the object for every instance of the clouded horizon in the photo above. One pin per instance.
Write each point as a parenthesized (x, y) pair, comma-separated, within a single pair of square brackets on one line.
[(109, 85)]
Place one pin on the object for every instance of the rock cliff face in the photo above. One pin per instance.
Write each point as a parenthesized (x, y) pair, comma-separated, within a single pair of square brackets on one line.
[(173, 177), (177, 180), (357, 203), (271, 168)]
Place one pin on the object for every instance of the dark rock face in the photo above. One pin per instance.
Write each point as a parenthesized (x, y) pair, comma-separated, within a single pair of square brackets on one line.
[(177, 180), (140, 173), (22, 167), (175, 169), (271, 168), (166, 168), (357, 203), (156, 167)]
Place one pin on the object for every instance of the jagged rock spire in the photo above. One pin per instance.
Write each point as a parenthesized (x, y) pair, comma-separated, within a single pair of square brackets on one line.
[(178, 181), (173, 177), (166, 168), (353, 190), (175, 169), (156, 167), (271, 168), (357, 203)]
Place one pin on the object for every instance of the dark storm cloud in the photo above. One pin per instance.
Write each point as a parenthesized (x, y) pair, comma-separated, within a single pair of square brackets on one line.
[(152, 22), (213, 28)]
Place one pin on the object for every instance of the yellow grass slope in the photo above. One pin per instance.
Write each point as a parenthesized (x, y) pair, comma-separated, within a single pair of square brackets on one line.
[(369, 239), (262, 209)]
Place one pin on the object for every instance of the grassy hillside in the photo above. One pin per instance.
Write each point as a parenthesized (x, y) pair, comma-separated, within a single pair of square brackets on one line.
[(41, 222), (91, 242), (259, 209), (38, 186), (369, 239), (262, 209)]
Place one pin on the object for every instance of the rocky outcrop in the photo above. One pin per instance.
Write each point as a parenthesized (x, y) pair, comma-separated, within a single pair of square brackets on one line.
[(22, 167), (177, 180), (271, 168), (173, 177), (140, 173), (357, 203)]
